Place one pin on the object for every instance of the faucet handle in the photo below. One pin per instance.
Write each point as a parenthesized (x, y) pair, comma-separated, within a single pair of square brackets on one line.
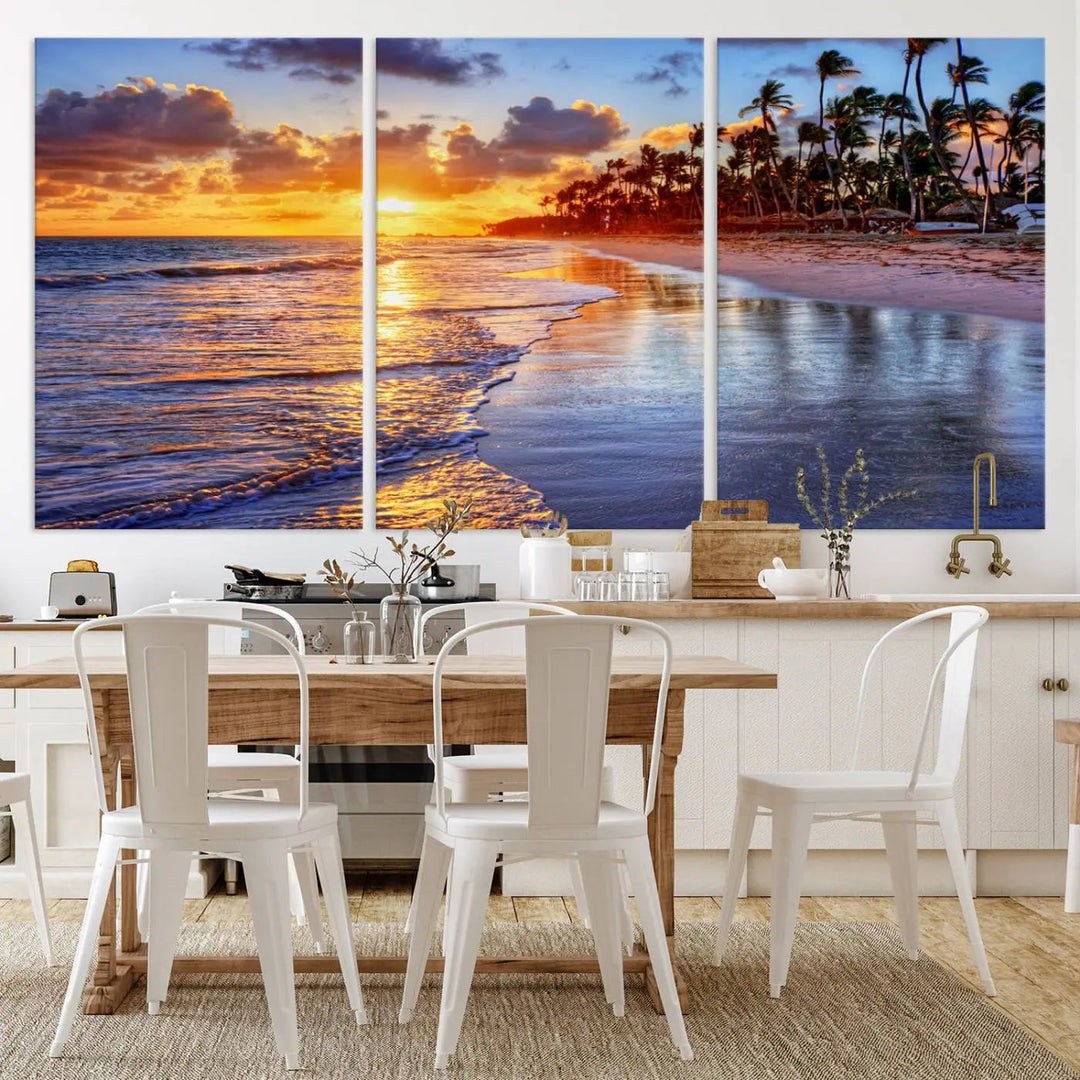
[(997, 568), (956, 567)]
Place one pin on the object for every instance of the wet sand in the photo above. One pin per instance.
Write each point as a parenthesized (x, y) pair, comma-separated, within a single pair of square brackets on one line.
[(604, 415), (1002, 274)]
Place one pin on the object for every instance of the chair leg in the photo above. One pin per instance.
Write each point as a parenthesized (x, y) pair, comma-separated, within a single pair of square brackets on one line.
[(639, 863), (901, 846), (581, 898), (232, 876), (327, 856), (741, 832), (1072, 867), (600, 883), (427, 895), (100, 883), (142, 893), (474, 864), (303, 866), (951, 832), (265, 869), (625, 918), (791, 838), (167, 873), (22, 817)]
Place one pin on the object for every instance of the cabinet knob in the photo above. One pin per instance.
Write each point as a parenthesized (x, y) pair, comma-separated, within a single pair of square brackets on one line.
[(1063, 684), (1048, 684)]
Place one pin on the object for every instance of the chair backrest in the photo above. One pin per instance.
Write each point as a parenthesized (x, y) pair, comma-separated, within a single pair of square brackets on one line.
[(955, 668), (229, 609), (509, 642), (567, 674), (167, 663)]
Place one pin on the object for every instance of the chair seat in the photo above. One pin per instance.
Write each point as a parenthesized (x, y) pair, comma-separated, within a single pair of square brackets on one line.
[(230, 770), (228, 757), (237, 819), (509, 821), (849, 788)]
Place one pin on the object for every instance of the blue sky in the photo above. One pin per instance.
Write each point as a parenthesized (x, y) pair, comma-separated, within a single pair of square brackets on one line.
[(744, 65)]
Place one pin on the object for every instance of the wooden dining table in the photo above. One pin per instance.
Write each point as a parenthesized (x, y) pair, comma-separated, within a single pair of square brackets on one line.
[(253, 699)]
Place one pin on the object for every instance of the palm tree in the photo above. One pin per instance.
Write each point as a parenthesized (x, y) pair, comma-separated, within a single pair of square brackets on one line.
[(920, 47), (770, 98), (971, 69), (893, 107), (807, 133), (1029, 99), (832, 64), (916, 211)]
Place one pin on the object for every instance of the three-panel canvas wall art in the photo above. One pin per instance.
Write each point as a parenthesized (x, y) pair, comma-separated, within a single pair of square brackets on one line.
[(541, 269)]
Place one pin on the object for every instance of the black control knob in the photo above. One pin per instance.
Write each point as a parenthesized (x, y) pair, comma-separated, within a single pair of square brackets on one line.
[(80, 600)]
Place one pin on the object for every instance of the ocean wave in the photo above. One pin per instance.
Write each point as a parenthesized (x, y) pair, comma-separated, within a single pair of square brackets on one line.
[(175, 508), (207, 270)]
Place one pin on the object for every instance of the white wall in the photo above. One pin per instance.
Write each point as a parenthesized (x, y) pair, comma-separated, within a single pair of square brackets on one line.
[(148, 564)]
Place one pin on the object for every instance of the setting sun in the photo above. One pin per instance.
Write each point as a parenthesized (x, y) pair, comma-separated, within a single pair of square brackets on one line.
[(394, 206)]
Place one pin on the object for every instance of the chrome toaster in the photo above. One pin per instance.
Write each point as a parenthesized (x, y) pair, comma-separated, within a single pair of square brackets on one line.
[(81, 594)]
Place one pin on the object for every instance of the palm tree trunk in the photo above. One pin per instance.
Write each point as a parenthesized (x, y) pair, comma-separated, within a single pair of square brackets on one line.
[(974, 135), (825, 154), (935, 142), (912, 210)]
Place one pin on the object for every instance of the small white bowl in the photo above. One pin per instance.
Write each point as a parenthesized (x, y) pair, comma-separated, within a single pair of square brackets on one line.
[(795, 584)]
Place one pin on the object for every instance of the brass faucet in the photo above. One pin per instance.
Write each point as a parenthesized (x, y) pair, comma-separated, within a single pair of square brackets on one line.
[(998, 563)]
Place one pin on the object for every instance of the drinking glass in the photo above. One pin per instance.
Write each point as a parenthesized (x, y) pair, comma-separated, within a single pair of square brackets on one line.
[(608, 586), (659, 585)]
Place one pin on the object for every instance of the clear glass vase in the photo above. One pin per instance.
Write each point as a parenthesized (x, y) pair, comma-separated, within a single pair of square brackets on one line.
[(359, 640), (399, 616), (839, 541)]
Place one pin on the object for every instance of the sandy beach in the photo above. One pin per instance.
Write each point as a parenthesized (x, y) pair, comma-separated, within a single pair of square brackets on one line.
[(1000, 274)]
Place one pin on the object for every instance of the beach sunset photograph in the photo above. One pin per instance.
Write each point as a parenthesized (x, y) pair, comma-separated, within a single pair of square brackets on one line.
[(197, 272), (882, 269), (528, 358)]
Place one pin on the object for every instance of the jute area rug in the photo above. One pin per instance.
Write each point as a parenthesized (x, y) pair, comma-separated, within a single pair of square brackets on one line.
[(854, 1006)]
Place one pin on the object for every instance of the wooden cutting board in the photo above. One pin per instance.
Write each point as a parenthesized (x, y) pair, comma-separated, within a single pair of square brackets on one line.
[(732, 543)]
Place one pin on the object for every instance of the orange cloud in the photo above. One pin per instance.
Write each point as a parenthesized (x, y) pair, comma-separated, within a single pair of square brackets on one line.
[(668, 137)]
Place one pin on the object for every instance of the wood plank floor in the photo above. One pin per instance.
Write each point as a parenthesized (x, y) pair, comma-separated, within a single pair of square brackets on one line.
[(1034, 947)]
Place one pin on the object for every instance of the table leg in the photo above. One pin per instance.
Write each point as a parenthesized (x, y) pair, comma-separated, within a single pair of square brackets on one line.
[(1072, 861), (111, 981), (662, 838)]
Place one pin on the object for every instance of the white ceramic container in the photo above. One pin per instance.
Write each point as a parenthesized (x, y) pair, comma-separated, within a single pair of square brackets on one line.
[(795, 584), (544, 568)]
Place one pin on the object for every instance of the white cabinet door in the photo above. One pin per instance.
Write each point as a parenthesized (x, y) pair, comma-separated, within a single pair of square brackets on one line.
[(1066, 707), (57, 756), (1011, 787), (7, 707)]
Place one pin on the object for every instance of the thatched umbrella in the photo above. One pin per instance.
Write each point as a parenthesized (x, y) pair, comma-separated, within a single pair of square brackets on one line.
[(886, 213), (962, 209)]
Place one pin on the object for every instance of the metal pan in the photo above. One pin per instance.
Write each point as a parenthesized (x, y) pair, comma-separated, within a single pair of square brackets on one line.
[(265, 592)]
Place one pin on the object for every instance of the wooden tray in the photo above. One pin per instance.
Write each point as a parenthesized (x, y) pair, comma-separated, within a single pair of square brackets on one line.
[(732, 543)]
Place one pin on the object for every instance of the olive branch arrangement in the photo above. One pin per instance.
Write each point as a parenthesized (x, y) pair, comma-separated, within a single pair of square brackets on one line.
[(838, 531), (413, 560)]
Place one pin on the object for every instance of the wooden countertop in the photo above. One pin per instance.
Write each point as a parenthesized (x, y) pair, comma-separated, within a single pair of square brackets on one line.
[(819, 609), (477, 672), (1064, 608)]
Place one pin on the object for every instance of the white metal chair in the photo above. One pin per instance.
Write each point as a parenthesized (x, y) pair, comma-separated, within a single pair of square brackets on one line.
[(797, 800), (15, 795), (229, 770), (167, 659), (568, 670), (495, 772)]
